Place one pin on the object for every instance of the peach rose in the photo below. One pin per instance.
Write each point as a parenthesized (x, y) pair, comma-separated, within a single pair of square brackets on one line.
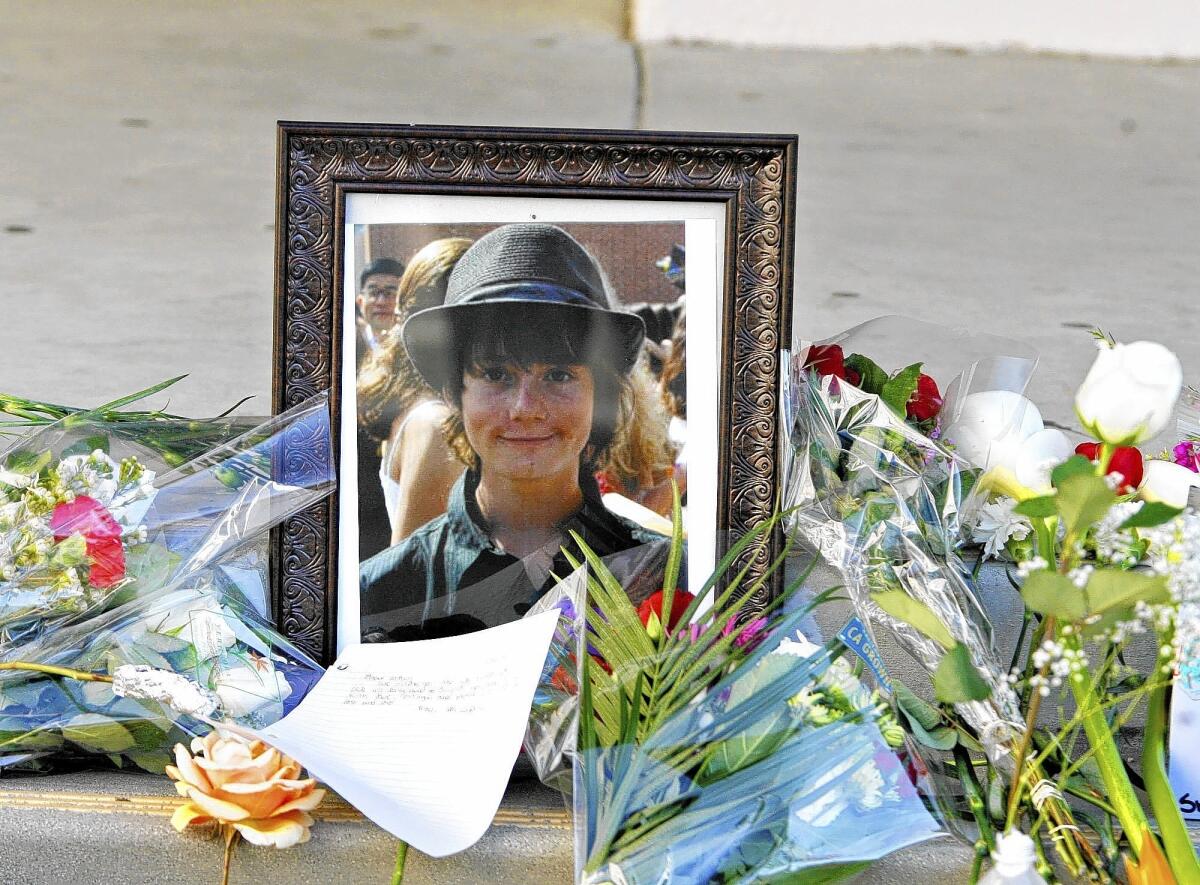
[(246, 785)]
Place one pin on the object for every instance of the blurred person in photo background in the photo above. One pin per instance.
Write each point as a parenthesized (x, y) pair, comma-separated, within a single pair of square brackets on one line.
[(403, 415), (374, 316)]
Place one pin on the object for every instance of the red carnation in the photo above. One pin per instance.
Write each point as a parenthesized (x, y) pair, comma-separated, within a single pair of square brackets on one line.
[(1126, 460), (653, 606), (926, 400), (827, 359), (88, 517)]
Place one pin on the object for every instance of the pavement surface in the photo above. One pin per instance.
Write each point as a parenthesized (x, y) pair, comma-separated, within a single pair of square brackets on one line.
[(1031, 196)]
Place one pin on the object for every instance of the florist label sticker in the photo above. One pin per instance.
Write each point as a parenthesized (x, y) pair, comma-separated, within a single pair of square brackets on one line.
[(1184, 768), (858, 640)]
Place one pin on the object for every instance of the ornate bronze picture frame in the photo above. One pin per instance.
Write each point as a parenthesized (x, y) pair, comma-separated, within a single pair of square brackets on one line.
[(345, 188)]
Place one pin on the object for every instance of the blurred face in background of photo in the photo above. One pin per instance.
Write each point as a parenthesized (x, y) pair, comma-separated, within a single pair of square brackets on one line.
[(377, 301)]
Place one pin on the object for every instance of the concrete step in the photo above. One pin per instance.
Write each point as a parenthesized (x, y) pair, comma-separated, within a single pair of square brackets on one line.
[(113, 827)]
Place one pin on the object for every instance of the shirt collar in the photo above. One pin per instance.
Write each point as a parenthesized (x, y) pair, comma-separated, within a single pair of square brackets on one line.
[(598, 526)]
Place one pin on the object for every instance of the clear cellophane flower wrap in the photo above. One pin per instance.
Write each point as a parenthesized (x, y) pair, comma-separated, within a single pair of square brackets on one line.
[(884, 501), (124, 543), (717, 749)]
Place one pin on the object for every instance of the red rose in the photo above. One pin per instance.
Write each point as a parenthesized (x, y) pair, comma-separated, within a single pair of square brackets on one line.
[(926, 400), (1126, 460), (653, 606), (88, 517), (827, 359)]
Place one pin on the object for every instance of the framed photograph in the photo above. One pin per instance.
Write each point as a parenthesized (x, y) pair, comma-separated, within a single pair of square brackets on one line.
[(523, 332)]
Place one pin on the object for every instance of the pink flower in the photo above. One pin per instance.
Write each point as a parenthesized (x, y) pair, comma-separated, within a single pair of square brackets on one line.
[(88, 517), (751, 636), (1187, 454)]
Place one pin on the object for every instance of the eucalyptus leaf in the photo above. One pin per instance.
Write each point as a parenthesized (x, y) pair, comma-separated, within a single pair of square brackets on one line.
[(1076, 465), (1037, 508), (1109, 588), (1049, 593), (1151, 514), (956, 680), (916, 614), (1083, 500)]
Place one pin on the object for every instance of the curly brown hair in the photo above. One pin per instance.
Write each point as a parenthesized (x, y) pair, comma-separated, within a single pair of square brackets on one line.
[(629, 421), (388, 383)]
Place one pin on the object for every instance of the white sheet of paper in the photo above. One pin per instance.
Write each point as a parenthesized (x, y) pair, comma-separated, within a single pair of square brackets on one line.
[(1184, 752), (421, 736)]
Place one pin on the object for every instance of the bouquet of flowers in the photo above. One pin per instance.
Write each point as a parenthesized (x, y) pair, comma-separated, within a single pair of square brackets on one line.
[(710, 746), (1098, 558), (133, 578)]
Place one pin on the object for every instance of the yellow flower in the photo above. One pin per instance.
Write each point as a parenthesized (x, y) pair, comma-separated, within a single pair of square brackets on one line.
[(246, 785)]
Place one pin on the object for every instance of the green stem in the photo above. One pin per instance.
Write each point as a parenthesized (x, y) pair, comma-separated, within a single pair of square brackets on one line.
[(1174, 832), (1108, 759), (401, 856), (81, 675)]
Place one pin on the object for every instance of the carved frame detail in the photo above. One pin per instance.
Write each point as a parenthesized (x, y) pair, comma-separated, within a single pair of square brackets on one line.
[(754, 175)]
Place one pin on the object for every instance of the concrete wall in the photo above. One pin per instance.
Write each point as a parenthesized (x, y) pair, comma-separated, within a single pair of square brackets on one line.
[(1151, 29)]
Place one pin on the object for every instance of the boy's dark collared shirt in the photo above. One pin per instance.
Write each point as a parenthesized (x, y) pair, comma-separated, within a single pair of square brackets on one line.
[(451, 567)]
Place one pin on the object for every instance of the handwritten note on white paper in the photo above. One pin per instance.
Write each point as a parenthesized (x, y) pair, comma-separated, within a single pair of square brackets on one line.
[(421, 736), (1184, 753)]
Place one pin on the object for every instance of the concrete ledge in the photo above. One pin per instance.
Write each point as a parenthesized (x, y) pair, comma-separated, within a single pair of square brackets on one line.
[(112, 827)]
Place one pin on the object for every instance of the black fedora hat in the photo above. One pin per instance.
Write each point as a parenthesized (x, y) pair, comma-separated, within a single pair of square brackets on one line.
[(536, 275)]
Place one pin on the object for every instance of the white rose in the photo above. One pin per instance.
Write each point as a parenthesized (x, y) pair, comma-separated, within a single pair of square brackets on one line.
[(1168, 482), (1129, 393), (243, 690), (1038, 455), (199, 621), (1002, 429)]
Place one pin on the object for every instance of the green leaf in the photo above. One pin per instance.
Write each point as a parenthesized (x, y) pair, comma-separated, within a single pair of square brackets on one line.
[(1109, 588), (17, 735), (900, 387), (872, 377), (1037, 508), (97, 694), (762, 738), (917, 614), (87, 445), (98, 733), (1076, 465), (924, 721), (1083, 500), (956, 680), (162, 643), (1151, 514), (27, 462), (70, 551), (1049, 593), (152, 762), (151, 564), (997, 797)]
